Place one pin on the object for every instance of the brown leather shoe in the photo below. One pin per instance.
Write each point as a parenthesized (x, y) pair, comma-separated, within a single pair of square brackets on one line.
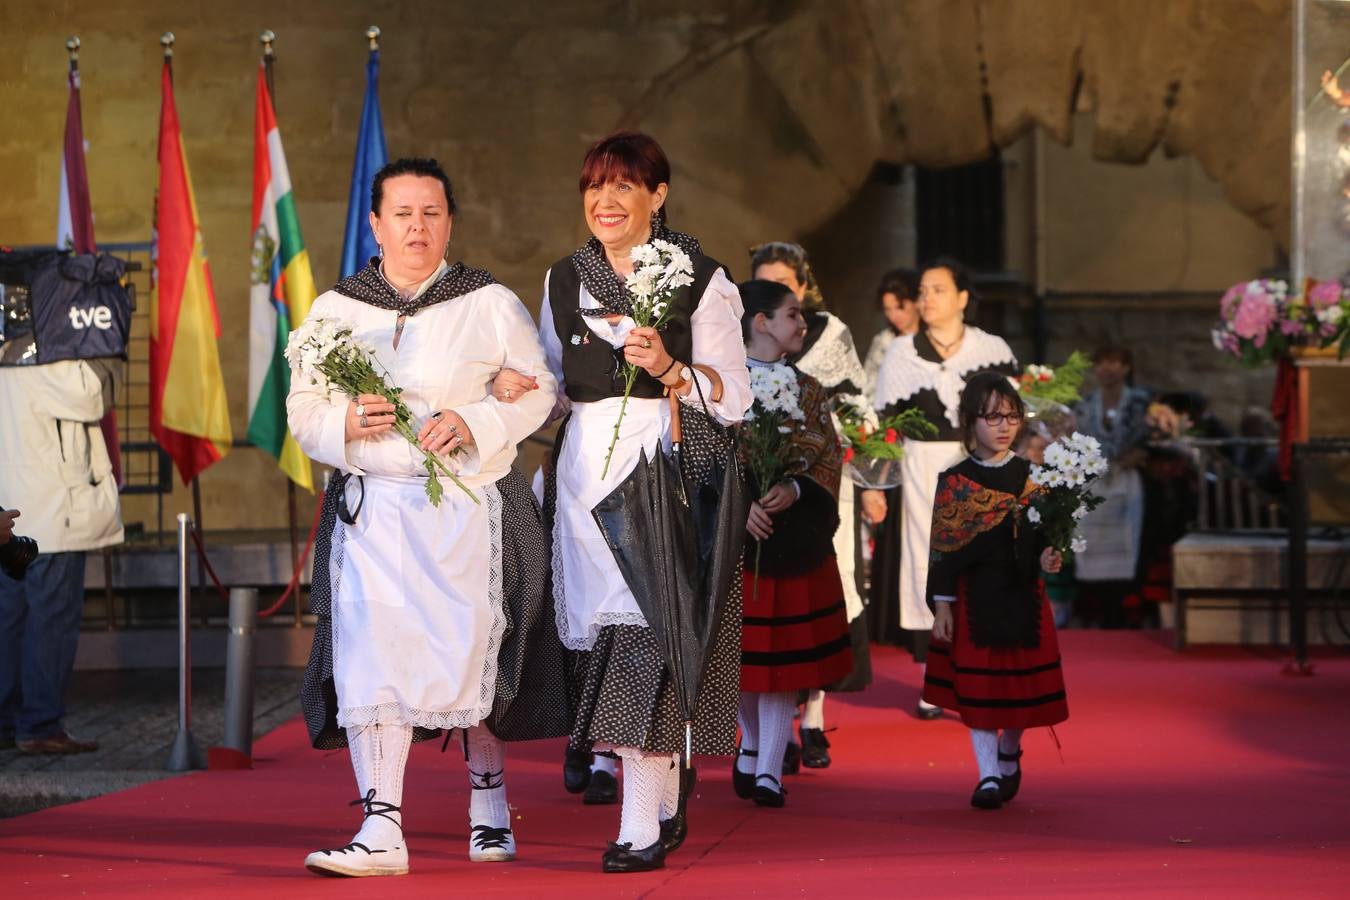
[(61, 742)]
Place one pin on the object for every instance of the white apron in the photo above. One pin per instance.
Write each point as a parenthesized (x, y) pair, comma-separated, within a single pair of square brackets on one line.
[(417, 606), (1113, 530), (924, 461)]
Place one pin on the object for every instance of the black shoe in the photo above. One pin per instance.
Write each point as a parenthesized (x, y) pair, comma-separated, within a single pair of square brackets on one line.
[(602, 791), (987, 794), (767, 796), (576, 770), (1009, 784), (743, 783), (815, 749), (623, 858), (928, 713), (675, 829), (792, 759)]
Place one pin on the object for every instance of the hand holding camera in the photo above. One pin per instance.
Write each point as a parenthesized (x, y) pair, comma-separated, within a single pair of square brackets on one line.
[(16, 552)]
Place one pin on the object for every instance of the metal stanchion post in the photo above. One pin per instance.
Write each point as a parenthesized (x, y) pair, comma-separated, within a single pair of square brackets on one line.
[(185, 754), (239, 671)]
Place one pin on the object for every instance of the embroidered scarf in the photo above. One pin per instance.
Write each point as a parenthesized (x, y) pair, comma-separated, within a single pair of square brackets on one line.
[(605, 285), (370, 286)]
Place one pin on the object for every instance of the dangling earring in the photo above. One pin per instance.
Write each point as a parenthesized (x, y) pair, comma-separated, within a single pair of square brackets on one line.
[(656, 221), (380, 249)]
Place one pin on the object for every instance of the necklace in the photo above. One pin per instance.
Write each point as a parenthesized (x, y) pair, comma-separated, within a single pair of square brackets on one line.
[(947, 346)]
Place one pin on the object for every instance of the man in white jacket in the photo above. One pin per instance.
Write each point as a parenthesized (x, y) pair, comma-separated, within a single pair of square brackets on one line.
[(54, 466)]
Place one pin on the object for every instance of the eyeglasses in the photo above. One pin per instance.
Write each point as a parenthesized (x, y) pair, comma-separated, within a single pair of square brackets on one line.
[(994, 419)]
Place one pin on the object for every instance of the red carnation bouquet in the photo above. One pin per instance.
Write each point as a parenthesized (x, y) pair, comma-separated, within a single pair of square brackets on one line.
[(873, 448)]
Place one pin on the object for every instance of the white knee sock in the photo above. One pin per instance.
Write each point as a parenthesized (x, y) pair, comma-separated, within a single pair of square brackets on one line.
[(1008, 744), (775, 729), (601, 763), (986, 752), (670, 796), (813, 713), (747, 716), (379, 756), (486, 758), (644, 781)]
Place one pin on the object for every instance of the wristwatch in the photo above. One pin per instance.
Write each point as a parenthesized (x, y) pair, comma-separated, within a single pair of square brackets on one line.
[(686, 377)]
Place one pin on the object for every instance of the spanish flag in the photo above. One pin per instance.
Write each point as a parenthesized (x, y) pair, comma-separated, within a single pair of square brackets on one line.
[(189, 415), (281, 294)]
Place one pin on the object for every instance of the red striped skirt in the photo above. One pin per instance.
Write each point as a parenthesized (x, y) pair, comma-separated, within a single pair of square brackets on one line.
[(794, 631), (997, 687)]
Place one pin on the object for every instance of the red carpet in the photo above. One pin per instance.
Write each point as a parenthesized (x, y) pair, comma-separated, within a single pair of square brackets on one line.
[(1207, 773)]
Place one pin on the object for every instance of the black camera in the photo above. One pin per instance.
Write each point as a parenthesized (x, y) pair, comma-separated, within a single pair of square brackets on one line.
[(16, 554)]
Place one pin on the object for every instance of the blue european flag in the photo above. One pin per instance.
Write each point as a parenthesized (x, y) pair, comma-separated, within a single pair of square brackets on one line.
[(358, 244)]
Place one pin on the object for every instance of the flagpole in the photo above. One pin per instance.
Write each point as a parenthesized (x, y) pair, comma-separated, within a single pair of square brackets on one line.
[(267, 39)]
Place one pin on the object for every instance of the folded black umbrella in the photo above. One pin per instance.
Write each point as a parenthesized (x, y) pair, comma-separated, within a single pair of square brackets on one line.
[(676, 527)]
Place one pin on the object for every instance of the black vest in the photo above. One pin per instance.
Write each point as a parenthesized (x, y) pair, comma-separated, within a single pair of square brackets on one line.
[(592, 368)]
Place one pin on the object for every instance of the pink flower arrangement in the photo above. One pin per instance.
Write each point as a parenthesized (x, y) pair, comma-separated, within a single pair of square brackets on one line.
[(1260, 320)]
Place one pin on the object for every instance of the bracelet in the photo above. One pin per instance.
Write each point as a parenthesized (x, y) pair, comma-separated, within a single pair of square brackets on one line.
[(673, 360)]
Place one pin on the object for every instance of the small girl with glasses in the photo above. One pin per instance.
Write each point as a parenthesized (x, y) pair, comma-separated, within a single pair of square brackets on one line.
[(994, 658)]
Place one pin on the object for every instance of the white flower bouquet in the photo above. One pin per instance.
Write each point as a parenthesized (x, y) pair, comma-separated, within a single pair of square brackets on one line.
[(660, 269), (327, 353), (1071, 465), (768, 425)]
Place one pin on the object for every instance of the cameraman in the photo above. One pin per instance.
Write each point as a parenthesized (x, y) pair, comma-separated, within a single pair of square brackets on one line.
[(53, 465)]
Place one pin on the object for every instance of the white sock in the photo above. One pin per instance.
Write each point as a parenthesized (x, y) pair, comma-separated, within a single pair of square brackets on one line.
[(644, 781), (1008, 744), (813, 712), (986, 752), (747, 716), (601, 763), (379, 756), (486, 759), (775, 729), (670, 797)]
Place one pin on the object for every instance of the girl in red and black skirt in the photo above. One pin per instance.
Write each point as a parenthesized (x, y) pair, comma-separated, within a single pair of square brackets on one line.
[(994, 657), (794, 634)]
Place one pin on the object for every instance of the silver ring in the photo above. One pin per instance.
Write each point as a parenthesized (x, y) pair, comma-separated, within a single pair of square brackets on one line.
[(360, 409), (508, 393), (365, 423), (452, 428), (437, 414)]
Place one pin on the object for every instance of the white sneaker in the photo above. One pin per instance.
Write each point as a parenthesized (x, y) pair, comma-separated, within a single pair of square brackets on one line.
[(488, 844), (356, 860)]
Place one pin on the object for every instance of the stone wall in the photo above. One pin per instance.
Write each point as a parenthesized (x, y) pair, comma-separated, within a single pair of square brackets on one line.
[(774, 113)]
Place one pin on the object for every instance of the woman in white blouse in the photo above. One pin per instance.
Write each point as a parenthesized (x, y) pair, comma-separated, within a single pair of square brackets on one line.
[(624, 701), (418, 614)]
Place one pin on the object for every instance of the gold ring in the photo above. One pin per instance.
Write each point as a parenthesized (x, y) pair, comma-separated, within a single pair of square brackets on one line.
[(508, 393), (647, 344)]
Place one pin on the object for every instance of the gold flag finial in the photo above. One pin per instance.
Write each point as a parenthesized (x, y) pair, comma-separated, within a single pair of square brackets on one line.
[(73, 47), (166, 40), (267, 38), (373, 35)]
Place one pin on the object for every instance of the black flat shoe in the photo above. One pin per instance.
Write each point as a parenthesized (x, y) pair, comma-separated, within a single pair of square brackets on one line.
[(767, 796), (987, 794), (928, 713), (792, 759), (675, 829), (576, 770), (602, 791), (623, 858), (743, 783), (1010, 784), (815, 749)]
